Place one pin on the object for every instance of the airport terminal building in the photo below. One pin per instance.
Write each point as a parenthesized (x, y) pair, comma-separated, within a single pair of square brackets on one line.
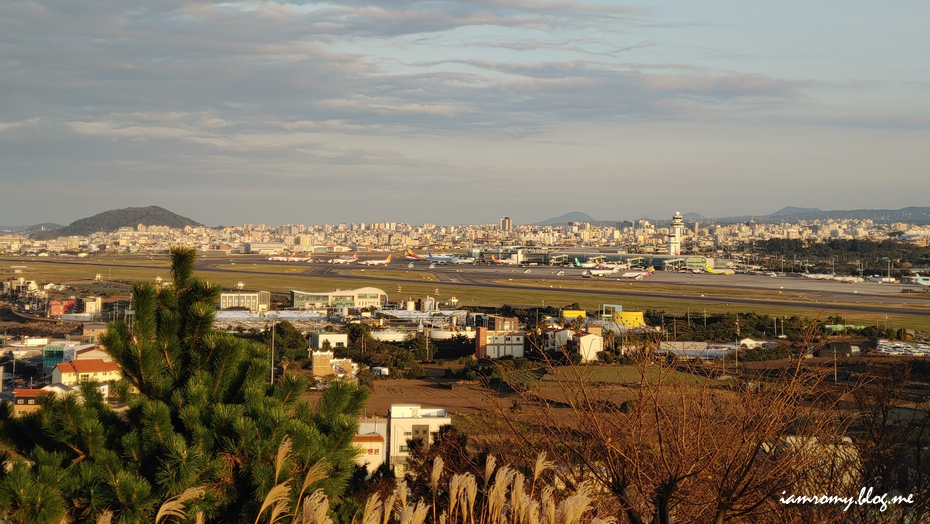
[(351, 298)]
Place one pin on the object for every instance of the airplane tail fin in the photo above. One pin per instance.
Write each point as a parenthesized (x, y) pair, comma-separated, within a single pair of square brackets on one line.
[(389, 257)]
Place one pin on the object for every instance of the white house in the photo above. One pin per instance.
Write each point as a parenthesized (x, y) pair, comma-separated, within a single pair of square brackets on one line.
[(588, 345), (336, 340), (407, 422)]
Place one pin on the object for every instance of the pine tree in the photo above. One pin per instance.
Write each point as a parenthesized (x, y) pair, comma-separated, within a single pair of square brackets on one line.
[(198, 412)]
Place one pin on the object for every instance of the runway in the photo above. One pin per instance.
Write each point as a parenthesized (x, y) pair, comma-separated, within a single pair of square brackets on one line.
[(785, 292)]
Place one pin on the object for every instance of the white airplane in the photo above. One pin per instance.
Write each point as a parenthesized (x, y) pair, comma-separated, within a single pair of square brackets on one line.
[(850, 279), (586, 265), (921, 280), (291, 259), (384, 262), (638, 275), (599, 272), (504, 261), (448, 259), (341, 260), (818, 276), (616, 267)]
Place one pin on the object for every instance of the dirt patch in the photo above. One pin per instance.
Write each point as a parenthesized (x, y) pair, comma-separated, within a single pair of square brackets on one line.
[(13, 325)]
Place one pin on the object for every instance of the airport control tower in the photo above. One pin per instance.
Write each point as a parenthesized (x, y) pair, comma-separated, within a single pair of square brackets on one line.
[(674, 239)]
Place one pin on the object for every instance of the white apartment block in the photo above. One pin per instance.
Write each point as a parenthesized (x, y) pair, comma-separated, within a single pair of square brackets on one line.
[(407, 422)]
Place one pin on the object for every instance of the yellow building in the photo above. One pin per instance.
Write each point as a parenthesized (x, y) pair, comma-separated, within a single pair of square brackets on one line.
[(71, 373), (572, 314), (629, 319)]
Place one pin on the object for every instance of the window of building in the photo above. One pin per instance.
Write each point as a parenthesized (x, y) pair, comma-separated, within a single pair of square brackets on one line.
[(404, 448), (31, 401)]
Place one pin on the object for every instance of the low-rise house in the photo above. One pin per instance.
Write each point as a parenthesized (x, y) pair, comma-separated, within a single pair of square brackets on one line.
[(319, 340), (323, 364), (27, 400), (587, 345), (76, 371), (372, 450)]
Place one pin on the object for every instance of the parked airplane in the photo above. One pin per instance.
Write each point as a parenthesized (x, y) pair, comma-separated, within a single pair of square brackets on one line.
[(817, 276), (342, 260), (921, 280), (852, 279), (586, 265), (617, 267), (638, 275), (384, 262), (447, 259), (718, 271), (410, 255), (504, 261), (600, 272), (291, 259)]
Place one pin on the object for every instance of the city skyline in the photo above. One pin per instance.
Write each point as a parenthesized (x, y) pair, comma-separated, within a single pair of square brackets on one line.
[(459, 112)]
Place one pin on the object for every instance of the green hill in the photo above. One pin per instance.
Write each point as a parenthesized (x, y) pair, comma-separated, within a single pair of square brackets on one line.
[(117, 218)]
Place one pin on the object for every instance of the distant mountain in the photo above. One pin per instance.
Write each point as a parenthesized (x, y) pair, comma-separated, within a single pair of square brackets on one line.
[(795, 211), (918, 215), (575, 216), (117, 218), (30, 229)]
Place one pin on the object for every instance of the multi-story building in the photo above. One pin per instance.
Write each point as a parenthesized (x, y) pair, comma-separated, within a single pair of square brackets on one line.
[(250, 300), (498, 337), (407, 422)]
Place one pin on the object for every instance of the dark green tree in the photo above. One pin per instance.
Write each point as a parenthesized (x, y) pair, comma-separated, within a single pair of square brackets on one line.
[(197, 411)]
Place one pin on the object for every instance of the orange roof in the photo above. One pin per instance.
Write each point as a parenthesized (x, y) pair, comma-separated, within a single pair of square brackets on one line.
[(93, 365), (367, 438), (30, 393)]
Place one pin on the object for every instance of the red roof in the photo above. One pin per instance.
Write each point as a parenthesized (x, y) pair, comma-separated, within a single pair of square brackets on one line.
[(30, 393), (93, 365)]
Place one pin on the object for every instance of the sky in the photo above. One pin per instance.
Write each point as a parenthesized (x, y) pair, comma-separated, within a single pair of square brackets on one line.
[(460, 111)]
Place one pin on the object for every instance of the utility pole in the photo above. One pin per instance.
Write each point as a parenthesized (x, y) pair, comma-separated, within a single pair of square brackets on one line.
[(834, 364), (272, 352)]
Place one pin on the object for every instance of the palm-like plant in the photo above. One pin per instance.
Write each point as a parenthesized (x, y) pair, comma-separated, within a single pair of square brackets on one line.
[(199, 413)]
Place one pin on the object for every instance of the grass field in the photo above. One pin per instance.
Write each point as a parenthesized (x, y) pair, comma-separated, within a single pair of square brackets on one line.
[(288, 277)]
